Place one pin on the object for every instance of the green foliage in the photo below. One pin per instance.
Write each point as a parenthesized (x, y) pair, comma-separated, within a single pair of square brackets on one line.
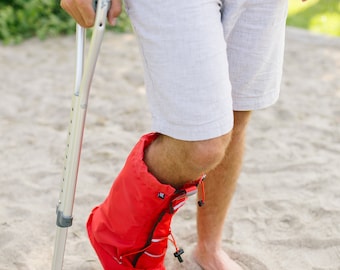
[(22, 19), (321, 16)]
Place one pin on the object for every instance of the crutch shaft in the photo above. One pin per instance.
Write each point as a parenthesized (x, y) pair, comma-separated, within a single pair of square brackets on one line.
[(84, 75)]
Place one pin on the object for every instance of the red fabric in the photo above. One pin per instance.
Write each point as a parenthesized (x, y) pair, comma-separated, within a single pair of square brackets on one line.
[(138, 208)]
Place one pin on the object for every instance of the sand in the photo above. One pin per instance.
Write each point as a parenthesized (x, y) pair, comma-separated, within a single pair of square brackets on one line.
[(286, 211)]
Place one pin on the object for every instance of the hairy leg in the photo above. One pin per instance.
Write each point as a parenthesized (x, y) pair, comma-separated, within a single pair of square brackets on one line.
[(176, 162), (219, 188)]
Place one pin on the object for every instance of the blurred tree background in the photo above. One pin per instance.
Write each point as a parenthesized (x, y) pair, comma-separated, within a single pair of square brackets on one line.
[(22, 19), (320, 16)]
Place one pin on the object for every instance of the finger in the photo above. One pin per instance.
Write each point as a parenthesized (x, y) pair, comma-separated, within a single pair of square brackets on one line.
[(114, 12), (86, 12), (72, 12), (81, 11)]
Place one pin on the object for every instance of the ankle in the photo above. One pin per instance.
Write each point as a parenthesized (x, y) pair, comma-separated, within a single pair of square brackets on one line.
[(214, 259), (203, 248)]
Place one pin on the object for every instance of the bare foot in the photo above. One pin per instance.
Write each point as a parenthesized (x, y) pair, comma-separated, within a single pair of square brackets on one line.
[(218, 260)]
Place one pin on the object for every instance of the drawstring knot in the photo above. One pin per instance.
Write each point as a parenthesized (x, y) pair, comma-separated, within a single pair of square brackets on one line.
[(179, 251), (201, 185)]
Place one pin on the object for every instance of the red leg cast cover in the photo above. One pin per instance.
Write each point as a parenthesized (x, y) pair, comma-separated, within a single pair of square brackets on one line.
[(130, 229)]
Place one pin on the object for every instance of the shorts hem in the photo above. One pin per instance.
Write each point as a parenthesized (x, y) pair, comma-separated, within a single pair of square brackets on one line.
[(194, 133), (252, 104)]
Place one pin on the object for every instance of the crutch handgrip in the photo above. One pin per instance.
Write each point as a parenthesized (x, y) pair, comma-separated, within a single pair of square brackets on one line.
[(95, 4)]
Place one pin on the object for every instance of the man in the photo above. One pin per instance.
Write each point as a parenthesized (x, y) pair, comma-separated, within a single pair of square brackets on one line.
[(208, 64)]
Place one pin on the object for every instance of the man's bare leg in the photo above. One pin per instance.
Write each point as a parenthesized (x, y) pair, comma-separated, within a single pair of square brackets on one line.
[(219, 188), (177, 162)]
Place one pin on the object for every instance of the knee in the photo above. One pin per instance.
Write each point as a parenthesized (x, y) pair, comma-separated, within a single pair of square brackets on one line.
[(207, 154)]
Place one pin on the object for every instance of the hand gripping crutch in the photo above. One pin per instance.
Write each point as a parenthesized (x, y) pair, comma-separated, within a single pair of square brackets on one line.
[(83, 79)]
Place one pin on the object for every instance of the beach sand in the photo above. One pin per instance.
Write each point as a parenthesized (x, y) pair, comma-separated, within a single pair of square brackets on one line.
[(286, 211)]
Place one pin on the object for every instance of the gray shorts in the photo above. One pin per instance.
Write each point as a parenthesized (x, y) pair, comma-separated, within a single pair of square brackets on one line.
[(204, 59)]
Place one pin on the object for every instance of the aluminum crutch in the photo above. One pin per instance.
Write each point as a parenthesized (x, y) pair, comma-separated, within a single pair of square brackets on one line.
[(83, 80)]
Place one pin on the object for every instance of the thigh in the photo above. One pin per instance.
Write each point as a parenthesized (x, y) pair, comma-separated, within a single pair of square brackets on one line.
[(254, 32), (186, 67)]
